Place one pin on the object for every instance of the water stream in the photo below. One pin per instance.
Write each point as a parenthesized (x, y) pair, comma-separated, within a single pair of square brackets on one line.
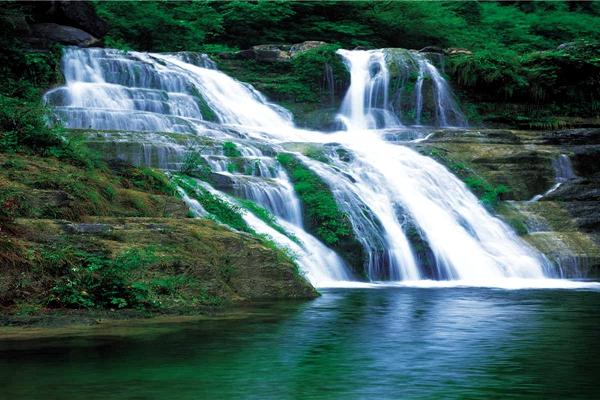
[(392, 195)]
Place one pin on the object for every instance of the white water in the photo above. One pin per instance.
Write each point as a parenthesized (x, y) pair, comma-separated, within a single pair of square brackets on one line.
[(563, 172), (384, 188)]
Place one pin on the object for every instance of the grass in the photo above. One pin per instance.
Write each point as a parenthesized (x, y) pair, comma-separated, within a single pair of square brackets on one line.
[(45, 187)]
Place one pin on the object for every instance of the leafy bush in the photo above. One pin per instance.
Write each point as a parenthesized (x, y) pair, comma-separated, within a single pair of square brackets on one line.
[(23, 125), (94, 281), (183, 25), (230, 150)]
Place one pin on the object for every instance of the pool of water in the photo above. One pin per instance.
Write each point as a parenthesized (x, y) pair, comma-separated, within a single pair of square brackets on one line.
[(388, 343)]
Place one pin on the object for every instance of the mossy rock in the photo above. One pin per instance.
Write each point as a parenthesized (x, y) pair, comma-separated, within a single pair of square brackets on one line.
[(195, 263)]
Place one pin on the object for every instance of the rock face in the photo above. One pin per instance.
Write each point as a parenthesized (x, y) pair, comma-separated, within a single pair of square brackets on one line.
[(78, 14), (65, 22), (275, 52), (48, 32)]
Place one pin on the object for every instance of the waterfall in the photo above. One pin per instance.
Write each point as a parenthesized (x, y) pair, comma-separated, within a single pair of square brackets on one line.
[(414, 219), (563, 172), (366, 105), (467, 242)]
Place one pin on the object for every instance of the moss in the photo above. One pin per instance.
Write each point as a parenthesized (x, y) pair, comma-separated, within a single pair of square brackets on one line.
[(219, 209), (299, 85), (207, 113), (44, 187), (322, 215), (513, 218)]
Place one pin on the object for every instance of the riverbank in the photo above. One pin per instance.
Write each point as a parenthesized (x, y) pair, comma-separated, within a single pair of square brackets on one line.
[(49, 323)]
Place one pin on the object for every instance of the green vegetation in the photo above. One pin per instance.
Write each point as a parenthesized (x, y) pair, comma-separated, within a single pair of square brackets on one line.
[(195, 165), (160, 26), (522, 26), (321, 212), (219, 209), (565, 81), (44, 187), (90, 280), (230, 150), (153, 264), (231, 215)]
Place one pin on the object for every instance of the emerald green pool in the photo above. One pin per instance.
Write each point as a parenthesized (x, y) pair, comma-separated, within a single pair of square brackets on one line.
[(388, 343)]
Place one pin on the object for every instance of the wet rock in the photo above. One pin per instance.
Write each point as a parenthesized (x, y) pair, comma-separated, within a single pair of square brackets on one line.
[(78, 14), (585, 160), (222, 182), (47, 33), (271, 53), (453, 51), (585, 136)]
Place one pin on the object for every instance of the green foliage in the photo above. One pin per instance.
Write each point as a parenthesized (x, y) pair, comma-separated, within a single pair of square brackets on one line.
[(22, 126), (195, 165), (159, 26), (90, 280), (220, 26), (309, 67), (569, 75), (230, 150), (487, 193)]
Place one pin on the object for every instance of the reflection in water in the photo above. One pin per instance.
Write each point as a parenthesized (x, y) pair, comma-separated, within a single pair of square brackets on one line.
[(384, 343)]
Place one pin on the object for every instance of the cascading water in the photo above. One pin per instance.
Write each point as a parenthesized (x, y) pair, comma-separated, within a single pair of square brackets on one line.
[(467, 242), (563, 172), (390, 193)]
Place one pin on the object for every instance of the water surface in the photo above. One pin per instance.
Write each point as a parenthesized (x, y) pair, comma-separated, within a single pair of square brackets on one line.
[(389, 343)]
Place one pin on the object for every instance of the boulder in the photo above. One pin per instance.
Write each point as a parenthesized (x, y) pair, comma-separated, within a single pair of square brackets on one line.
[(274, 52), (79, 14), (48, 32), (453, 51), (305, 46)]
